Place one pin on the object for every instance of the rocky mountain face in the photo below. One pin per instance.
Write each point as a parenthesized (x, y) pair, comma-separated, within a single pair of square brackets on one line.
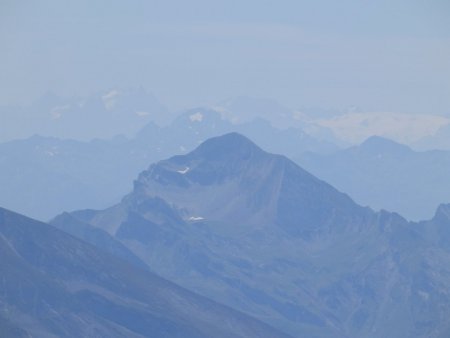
[(54, 285), (229, 179), (256, 232), (386, 175)]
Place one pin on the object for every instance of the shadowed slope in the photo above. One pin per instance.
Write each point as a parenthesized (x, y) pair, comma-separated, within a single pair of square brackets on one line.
[(56, 285)]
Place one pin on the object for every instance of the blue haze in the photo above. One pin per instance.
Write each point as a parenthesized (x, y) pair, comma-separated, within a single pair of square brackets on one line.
[(381, 55)]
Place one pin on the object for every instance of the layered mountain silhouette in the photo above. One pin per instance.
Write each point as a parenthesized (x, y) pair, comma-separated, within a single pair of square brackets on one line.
[(98, 115), (54, 285), (387, 175), (43, 176), (255, 231)]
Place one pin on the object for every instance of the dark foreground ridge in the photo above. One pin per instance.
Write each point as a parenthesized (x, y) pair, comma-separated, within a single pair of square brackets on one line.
[(54, 285)]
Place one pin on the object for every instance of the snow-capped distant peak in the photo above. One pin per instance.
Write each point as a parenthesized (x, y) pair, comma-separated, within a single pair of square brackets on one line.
[(197, 117), (184, 171), (227, 115)]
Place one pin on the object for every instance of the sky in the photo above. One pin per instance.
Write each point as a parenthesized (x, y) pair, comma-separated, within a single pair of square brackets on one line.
[(379, 55)]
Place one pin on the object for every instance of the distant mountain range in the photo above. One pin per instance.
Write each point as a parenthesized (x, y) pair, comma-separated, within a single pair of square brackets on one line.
[(425, 131), (440, 140), (386, 175), (44, 176), (257, 232), (99, 115), (54, 285), (124, 111), (243, 109)]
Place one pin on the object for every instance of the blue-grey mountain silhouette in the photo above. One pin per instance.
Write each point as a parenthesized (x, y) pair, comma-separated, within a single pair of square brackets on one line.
[(257, 232), (387, 175), (43, 176), (54, 285)]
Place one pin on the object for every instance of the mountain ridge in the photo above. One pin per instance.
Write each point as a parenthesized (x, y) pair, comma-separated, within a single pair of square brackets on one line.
[(57, 285), (243, 172), (259, 233), (386, 175)]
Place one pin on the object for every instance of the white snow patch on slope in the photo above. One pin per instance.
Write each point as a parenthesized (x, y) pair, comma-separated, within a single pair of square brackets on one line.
[(197, 117), (195, 218), (184, 171), (227, 115)]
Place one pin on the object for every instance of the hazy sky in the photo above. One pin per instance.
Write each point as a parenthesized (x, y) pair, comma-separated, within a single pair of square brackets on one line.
[(390, 55)]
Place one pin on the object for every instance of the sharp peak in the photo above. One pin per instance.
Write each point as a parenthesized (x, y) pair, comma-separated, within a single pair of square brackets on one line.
[(442, 212)]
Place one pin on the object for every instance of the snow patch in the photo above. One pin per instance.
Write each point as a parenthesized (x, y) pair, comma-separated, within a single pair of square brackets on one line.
[(184, 171), (195, 218), (227, 115), (197, 117)]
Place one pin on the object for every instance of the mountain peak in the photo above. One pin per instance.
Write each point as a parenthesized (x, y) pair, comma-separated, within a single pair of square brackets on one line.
[(442, 212), (231, 145), (381, 144), (229, 179)]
